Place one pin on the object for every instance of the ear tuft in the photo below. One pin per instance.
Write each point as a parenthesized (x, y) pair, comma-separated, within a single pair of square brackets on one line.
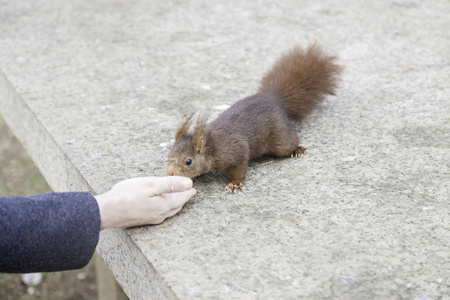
[(199, 138), (184, 126)]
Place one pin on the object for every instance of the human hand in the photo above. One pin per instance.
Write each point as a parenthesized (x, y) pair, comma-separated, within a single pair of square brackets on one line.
[(143, 200)]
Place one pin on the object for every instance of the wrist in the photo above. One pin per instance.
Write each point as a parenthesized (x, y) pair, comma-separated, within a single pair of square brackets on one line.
[(107, 216)]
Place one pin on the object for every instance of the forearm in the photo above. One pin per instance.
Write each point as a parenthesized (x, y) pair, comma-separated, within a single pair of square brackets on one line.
[(48, 232), (59, 231)]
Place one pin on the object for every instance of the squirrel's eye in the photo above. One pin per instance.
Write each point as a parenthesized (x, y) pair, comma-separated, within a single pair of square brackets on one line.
[(188, 162)]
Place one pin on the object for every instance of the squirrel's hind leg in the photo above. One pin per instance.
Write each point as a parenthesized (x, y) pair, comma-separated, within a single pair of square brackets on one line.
[(288, 145), (299, 151)]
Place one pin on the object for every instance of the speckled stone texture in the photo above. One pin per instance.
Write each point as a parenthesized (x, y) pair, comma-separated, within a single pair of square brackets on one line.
[(95, 90)]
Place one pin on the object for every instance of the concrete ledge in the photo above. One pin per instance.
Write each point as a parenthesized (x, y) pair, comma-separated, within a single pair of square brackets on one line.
[(53, 163)]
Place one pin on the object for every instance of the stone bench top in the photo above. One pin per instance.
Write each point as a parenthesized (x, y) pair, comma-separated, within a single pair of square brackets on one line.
[(94, 90)]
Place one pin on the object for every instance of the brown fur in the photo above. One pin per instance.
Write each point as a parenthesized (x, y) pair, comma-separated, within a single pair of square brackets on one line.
[(302, 79), (260, 124)]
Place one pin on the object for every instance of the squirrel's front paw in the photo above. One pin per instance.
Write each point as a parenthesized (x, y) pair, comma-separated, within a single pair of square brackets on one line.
[(234, 186), (299, 151)]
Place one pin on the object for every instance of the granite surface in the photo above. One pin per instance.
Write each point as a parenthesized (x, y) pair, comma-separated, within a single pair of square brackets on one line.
[(95, 89)]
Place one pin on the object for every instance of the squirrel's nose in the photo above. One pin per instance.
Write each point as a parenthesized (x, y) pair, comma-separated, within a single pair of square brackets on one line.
[(170, 171)]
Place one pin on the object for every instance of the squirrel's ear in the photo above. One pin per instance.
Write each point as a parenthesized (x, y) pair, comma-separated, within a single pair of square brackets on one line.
[(202, 146), (184, 127), (199, 138)]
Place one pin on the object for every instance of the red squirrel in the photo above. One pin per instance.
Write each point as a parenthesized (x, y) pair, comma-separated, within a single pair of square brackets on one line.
[(258, 125)]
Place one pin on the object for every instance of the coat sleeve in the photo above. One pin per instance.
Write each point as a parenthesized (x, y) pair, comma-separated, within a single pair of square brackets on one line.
[(48, 232)]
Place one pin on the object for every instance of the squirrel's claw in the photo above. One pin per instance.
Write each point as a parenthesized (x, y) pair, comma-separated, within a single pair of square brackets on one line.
[(234, 187), (299, 151)]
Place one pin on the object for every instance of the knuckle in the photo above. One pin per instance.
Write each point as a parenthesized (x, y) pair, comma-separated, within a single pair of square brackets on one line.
[(171, 183)]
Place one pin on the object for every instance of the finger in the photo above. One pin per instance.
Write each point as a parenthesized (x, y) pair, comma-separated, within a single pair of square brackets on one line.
[(170, 184), (177, 200)]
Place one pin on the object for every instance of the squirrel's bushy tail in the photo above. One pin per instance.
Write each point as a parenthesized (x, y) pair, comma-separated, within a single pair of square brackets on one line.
[(301, 78)]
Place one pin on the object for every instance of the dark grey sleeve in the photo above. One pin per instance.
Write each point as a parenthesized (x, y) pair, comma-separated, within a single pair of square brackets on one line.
[(48, 232)]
